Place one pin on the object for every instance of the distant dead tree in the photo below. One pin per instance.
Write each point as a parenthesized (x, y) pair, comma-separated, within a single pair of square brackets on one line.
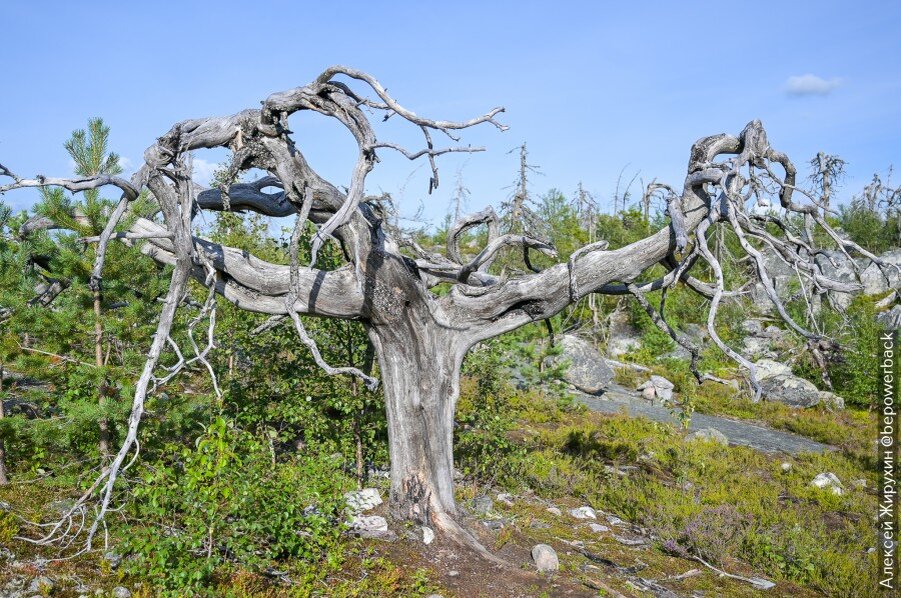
[(827, 171), (420, 337)]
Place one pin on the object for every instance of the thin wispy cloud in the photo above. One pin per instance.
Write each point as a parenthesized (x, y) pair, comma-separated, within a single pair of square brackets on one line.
[(811, 85), (203, 171)]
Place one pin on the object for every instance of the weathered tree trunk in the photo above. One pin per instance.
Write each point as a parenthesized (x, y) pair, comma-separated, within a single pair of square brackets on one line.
[(98, 360), (420, 375)]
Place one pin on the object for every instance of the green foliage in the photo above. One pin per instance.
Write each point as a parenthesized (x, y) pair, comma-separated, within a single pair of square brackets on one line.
[(854, 376), (483, 448), (228, 502)]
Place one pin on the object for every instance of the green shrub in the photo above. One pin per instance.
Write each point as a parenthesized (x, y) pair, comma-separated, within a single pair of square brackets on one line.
[(227, 502)]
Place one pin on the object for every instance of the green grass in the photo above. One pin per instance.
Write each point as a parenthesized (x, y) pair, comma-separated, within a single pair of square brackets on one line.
[(777, 524)]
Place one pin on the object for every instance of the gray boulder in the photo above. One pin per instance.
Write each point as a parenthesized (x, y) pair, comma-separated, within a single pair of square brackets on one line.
[(545, 558), (371, 526), (761, 342), (767, 368), (366, 499), (875, 281), (373, 523), (790, 390), (708, 435), (588, 371), (622, 336), (891, 319), (585, 512), (831, 399)]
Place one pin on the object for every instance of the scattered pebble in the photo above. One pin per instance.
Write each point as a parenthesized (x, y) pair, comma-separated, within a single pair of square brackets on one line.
[(120, 592), (786, 467), (598, 528), (428, 536), (554, 511)]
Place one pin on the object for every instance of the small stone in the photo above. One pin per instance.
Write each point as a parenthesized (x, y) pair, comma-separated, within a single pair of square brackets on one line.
[(545, 558), (428, 536), (830, 399), (496, 523), (657, 387), (482, 505), (363, 500), (861, 483), (369, 526), (828, 480), (453, 573), (554, 511), (630, 541), (5, 506), (708, 435), (120, 592), (583, 513), (786, 467), (113, 559), (505, 498), (41, 585), (614, 520), (598, 528), (761, 583)]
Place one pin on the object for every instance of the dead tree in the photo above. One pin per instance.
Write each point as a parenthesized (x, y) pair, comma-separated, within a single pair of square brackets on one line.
[(827, 170), (420, 338)]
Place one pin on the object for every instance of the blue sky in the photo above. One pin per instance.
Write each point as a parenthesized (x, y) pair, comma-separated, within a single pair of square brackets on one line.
[(594, 88)]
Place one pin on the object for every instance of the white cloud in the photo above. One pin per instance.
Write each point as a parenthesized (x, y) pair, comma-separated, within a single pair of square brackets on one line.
[(203, 171), (810, 85)]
